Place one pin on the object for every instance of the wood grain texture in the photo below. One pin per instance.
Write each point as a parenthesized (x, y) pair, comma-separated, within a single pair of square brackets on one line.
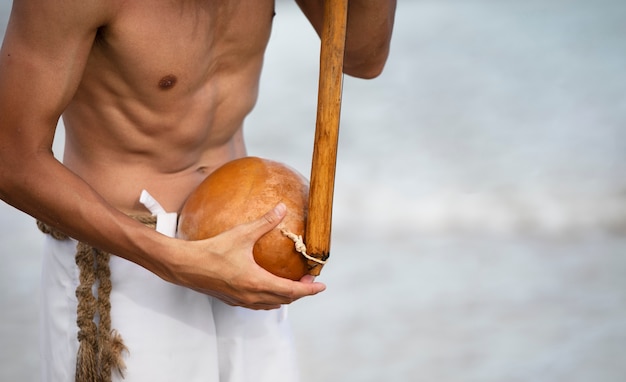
[(319, 222)]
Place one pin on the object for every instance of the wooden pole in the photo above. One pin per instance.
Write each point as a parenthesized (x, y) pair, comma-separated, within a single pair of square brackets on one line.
[(319, 219)]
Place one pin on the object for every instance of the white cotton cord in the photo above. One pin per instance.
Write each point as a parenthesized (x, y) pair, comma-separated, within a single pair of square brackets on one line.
[(166, 221), (151, 203), (300, 246)]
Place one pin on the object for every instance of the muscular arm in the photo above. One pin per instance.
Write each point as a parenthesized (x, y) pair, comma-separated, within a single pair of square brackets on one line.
[(368, 35), (42, 59), (46, 48)]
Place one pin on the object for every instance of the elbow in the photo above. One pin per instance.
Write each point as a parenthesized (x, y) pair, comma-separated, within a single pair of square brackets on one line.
[(8, 170), (366, 65), (366, 71), (12, 166), (5, 177)]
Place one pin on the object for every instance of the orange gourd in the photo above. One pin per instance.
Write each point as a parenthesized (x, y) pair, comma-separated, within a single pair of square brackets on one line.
[(241, 191)]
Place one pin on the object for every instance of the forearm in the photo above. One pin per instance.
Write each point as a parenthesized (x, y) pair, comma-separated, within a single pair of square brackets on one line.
[(368, 34), (43, 188)]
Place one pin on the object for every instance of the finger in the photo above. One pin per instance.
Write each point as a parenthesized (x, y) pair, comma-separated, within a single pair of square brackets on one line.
[(267, 222), (307, 279), (232, 301), (263, 306), (271, 290), (254, 306), (281, 294), (294, 290)]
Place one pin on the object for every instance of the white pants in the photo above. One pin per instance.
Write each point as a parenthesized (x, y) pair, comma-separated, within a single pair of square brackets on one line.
[(172, 333)]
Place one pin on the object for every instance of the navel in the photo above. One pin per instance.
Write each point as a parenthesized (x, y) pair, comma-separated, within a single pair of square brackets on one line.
[(202, 170), (167, 82)]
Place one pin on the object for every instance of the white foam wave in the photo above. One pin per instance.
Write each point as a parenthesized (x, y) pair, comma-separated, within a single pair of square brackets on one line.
[(384, 209)]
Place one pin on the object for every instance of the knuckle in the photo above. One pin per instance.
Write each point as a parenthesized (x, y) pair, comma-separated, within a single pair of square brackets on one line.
[(270, 218), (291, 294)]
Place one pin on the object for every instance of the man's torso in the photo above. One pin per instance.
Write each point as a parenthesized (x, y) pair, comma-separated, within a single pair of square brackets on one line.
[(163, 97)]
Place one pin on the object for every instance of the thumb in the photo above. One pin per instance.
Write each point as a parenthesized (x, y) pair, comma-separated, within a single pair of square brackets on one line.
[(267, 222)]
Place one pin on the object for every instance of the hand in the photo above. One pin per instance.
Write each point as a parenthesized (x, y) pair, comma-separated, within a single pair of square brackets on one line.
[(224, 267)]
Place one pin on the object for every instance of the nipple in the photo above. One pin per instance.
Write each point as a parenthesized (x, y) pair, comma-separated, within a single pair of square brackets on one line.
[(167, 82)]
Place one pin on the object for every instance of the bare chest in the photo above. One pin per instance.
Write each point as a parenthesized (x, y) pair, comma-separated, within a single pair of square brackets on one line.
[(176, 44)]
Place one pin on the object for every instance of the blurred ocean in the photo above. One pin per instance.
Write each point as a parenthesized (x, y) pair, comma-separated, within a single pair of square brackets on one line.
[(480, 206)]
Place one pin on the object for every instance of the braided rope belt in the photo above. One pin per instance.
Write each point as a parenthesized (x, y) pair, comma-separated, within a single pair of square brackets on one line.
[(100, 347)]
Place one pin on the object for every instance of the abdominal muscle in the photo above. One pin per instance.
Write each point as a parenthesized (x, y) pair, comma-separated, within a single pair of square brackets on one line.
[(120, 151), (161, 117)]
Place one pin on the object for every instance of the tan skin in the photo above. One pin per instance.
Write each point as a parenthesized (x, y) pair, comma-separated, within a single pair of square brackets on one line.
[(153, 95)]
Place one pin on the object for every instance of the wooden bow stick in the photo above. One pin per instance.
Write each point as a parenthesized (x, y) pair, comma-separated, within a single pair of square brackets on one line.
[(319, 220)]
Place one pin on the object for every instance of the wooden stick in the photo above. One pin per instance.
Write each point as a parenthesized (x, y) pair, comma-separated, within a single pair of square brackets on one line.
[(319, 219)]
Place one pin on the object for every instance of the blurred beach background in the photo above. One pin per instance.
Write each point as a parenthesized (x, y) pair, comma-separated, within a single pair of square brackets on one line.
[(479, 228)]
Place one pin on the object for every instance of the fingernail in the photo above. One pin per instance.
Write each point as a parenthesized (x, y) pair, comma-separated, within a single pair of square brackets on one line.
[(280, 208), (309, 279)]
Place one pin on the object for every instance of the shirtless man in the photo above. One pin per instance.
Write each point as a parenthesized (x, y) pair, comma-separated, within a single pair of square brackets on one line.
[(153, 96)]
